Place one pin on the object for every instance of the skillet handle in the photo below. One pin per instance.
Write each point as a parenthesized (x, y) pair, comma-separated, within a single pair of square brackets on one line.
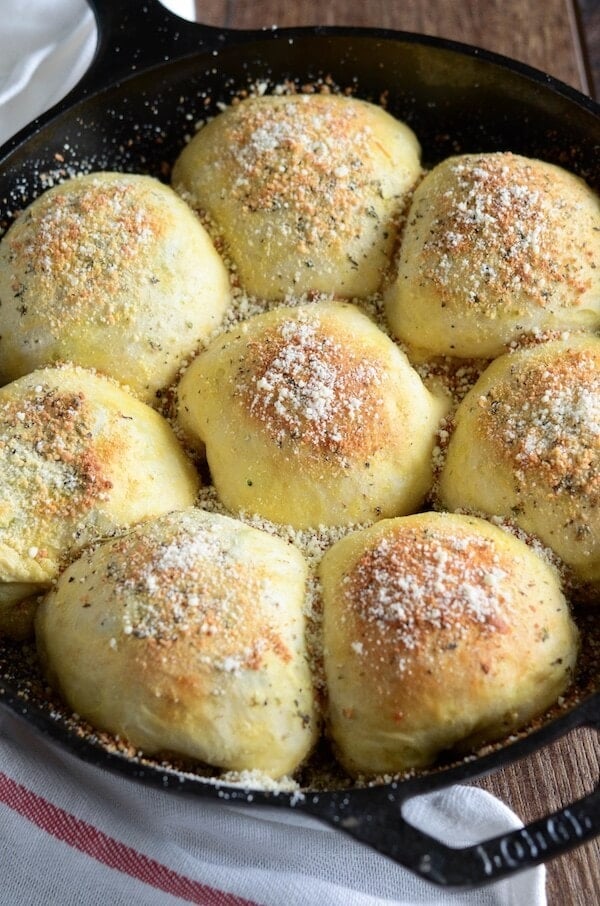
[(134, 36), (376, 819)]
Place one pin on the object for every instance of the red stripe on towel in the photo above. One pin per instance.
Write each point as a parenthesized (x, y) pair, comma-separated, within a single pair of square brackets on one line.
[(94, 843)]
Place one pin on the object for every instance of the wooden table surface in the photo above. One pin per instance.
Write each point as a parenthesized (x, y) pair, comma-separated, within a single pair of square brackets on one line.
[(560, 37)]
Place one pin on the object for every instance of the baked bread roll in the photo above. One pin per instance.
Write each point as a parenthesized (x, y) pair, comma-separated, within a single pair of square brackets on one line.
[(496, 246), (311, 416), (186, 637), (440, 632), (305, 190), (526, 445), (110, 271), (80, 457)]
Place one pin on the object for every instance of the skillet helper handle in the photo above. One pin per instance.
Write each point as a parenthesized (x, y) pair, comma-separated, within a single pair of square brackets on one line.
[(376, 819), (134, 36), (383, 828)]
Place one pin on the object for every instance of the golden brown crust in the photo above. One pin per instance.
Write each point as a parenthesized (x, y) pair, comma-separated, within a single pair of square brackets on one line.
[(111, 271), (495, 220), (496, 246), (526, 446), (422, 581), (79, 458), (188, 583), (544, 420), (55, 427), (305, 383), (306, 190), (312, 416), (90, 235), (186, 636), (439, 631), (321, 143)]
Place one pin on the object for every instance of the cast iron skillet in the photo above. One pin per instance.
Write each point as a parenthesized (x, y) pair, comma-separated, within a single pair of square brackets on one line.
[(154, 75)]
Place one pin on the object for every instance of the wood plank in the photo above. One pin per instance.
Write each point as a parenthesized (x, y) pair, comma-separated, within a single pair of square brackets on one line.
[(587, 14), (539, 785), (540, 34), (562, 39), (213, 12)]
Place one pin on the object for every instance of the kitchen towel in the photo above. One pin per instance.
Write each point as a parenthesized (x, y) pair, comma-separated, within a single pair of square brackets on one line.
[(72, 834)]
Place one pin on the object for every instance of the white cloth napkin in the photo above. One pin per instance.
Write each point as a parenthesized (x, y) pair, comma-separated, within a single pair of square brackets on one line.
[(72, 834)]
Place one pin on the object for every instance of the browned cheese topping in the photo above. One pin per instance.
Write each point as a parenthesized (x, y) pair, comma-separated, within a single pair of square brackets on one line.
[(496, 235), (306, 159), (303, 385), (546, 421), (77, 248), (419, 584), (190, 585), (49, 457)]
